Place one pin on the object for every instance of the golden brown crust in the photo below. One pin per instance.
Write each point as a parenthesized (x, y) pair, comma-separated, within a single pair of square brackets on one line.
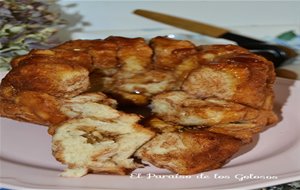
[(189, 152), (48, 76), (35, 107), (245, 130), (229, 72), (134, 54), (182, 108), (66, 56), (242, 130), (222, 71), (168, 53), (103, 53)]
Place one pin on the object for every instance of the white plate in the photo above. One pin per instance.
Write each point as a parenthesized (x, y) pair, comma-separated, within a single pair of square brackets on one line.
[(26, 160)]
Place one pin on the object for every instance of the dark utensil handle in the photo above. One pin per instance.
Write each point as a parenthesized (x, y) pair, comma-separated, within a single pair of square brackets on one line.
[(271, 52), (274, 53), (239, 39)]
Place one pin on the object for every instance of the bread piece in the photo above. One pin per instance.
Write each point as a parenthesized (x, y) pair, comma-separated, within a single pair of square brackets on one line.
[(103, 53), (47, 75), (189, 152), (114, 53), (134, 54), (99, 143), (139, 88), (66, 56), (245, 130), (234, 75), (44, 109), (184, 109), (34, 107), (168, 53), (160, 126)]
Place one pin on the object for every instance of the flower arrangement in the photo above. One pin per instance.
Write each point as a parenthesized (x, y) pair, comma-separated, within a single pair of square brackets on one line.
[(26, 25)]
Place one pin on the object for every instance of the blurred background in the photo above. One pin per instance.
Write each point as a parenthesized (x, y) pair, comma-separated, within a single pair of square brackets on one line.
[(254, 18)]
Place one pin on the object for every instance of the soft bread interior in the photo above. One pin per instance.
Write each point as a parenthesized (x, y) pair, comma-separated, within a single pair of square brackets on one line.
[(101, 140)]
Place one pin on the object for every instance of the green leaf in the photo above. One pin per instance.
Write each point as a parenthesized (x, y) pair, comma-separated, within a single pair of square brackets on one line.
[(286, 36)]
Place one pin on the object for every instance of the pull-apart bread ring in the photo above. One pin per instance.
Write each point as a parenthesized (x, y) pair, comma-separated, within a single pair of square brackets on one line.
[(206, 102)]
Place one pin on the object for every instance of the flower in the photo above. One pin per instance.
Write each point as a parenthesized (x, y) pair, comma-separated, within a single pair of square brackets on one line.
[(26, 25)]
